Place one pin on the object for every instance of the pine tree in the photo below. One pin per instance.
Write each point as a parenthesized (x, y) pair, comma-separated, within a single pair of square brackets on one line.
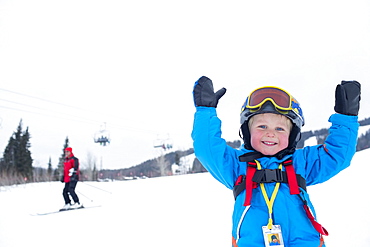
[(17, 156), (50, 170), (95, 173), (25, 161), (9, 158)]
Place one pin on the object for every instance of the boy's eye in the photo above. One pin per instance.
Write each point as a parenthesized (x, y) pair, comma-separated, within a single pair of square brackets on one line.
[(262, 126), (279, 129)]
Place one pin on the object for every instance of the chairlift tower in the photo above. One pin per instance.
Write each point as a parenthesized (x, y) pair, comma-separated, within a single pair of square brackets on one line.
[(162, 145)]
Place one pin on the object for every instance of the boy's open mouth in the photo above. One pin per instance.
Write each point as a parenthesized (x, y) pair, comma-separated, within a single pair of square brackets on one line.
[(269, 143)]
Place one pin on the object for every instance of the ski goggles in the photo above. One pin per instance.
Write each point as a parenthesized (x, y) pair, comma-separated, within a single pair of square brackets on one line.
[(280, 98)]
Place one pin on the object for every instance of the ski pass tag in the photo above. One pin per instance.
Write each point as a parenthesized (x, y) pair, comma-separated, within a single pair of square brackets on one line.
[(273, 237)]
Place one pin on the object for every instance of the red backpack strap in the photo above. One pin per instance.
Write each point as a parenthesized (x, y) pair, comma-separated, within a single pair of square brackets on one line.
[(318, 227), (249, 184), (292, 177), (239, 186)]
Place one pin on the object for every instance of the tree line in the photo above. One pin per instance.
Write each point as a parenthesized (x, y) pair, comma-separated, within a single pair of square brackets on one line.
[(16, 163)]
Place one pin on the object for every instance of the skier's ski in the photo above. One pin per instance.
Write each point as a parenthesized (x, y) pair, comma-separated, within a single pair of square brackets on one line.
[(64, 210)]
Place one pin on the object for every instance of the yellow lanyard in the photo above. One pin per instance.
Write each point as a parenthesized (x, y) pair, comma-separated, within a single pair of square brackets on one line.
[(269, 202)]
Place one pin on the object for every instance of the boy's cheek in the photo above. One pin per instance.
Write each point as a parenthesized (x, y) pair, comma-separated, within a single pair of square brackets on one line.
[(283, 144), (284, 140), (255, 143)]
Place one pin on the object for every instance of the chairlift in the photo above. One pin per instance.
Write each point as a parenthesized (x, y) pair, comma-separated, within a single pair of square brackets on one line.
[(165, 144), (102, 136)]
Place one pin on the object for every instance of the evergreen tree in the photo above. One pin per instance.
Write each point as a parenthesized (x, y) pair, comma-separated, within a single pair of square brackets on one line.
[(59, 171), (9, 158), (50, 169), (56, 175), (17, 156), (95, 173), (177, 158), (25, 161)]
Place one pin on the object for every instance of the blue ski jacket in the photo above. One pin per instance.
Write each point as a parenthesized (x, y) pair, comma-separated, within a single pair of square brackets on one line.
[(316, 164)]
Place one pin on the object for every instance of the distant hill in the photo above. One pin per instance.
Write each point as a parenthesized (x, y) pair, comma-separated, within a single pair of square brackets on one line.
[(363, 141)]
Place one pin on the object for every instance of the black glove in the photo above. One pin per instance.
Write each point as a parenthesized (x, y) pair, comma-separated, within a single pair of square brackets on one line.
[(347, 98), (204, 95)]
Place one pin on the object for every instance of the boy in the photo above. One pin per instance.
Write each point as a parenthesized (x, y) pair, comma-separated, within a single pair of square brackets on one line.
[(268, 176)]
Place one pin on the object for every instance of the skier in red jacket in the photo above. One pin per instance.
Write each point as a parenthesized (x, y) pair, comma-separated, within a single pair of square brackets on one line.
[(70, 178)]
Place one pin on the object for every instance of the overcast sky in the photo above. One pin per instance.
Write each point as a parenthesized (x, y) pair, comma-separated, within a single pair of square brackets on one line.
[(68, 67)]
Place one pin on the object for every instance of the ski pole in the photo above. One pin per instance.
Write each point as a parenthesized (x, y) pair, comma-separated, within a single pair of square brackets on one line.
[(98, 188), (88, 198)]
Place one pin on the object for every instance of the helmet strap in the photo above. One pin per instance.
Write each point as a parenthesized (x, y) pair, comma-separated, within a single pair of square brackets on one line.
[(244, 133), (294, 137)]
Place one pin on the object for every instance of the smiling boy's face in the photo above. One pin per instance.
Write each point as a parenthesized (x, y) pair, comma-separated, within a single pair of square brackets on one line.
[(269, 133)]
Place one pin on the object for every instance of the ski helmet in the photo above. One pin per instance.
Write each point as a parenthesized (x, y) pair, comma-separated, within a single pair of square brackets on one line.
[(272, 100)]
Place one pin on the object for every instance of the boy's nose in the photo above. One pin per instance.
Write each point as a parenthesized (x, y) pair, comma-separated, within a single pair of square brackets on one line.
[(270, 134)]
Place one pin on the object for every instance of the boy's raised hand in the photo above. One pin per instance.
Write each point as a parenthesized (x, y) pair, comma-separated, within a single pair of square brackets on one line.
[(347, 98), (204, 94)]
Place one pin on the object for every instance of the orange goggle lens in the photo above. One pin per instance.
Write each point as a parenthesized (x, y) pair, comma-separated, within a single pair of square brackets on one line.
[(277, 96)]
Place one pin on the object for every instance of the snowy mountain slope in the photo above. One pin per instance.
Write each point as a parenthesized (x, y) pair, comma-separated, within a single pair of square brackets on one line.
[(187, 210)]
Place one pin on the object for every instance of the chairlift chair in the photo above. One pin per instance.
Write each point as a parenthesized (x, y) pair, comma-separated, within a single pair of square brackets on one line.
[(102, 137)]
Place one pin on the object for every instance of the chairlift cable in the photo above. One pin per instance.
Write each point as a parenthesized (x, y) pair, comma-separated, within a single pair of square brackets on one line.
[(61, 104), (75, 118), (39, 108), (33, 97)]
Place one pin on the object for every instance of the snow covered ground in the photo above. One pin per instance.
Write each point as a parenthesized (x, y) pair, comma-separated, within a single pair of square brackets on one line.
[(186, 210)]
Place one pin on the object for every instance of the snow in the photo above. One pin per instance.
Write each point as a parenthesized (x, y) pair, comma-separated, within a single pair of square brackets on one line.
[(312, 141), (363, 129), (184, 210), (186, 164)]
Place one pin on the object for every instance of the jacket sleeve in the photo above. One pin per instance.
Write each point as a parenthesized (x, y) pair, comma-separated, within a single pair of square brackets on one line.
[(322, 162), (211, 150), (76, 163)]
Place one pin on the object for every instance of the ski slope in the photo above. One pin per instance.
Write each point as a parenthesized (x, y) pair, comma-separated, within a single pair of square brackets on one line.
[(176, 211)]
